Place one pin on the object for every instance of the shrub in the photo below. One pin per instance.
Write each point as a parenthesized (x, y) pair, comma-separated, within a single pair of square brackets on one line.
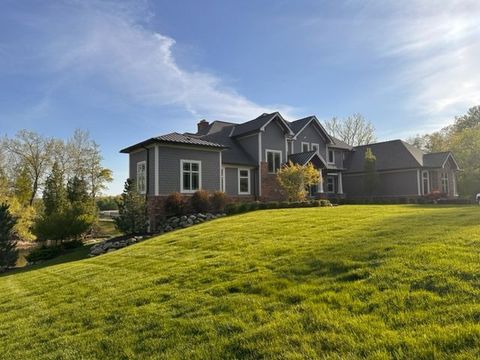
[(175, 204), (43, 253), (243, 207), (253, 206), (324, 203), (231, 208), (68, 245), (218, 201), (315, 203), (273, 205), (200, 201), (262, 206), (284, 205)]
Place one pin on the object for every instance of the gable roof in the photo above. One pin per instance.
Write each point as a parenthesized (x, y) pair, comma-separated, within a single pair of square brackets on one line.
[(219, 132), (396, 154), (297, 126), (340, 144), (258, 124), (174, 138), (308, 156), (438, 160)]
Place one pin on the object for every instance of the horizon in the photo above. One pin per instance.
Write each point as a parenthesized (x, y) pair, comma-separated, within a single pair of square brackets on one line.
[(131, 70)]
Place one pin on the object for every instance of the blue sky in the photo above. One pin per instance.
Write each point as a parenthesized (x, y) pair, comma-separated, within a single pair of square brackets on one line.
[(127, 71)]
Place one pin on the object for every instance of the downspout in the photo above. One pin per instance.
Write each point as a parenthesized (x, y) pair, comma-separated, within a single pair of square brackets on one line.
[(147, 184)]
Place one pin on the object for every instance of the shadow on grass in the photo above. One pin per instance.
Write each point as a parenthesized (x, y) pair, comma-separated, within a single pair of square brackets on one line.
[(70, 256)]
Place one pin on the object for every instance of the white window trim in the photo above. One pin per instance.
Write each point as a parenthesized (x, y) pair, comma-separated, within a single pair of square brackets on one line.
[(328, 157), (142, 163), (182, 161), (444, 177), (428, 181), (273, 151), (317, 145), (305, 143), (333, 184), (249, 181)]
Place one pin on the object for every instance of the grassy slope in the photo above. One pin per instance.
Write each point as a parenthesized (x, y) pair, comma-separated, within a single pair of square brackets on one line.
[(352, 281)]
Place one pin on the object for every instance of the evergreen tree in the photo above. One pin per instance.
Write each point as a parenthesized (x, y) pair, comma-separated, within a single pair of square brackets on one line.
[(371, 176), (54, 194), (132, 211), (8, 252), (23, 186)]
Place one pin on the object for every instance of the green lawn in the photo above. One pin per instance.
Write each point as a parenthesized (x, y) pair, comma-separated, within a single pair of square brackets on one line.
[(340, 283)]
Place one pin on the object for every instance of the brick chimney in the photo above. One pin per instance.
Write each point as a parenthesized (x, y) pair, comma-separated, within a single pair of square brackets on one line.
[(202, 127)]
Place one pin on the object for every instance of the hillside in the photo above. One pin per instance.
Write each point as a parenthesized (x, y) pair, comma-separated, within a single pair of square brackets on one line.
[(346, 282)]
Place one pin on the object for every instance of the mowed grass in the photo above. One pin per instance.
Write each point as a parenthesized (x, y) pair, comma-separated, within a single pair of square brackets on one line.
[(349, 282)]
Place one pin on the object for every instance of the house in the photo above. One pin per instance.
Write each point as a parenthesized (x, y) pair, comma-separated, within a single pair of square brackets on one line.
[(402, 171), (242, 160)]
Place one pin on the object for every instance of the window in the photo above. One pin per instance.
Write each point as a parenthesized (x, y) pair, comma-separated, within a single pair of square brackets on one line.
[(274, 160), (305, 147), (191, 175), (330, 184), (222, 179), (142, 177), (315, 147), (331, 156), (425, 182), (445, 183), (244, 181)]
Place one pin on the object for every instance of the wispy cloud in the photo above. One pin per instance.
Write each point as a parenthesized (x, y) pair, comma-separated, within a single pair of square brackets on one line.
[(438, 45), (117, 45)]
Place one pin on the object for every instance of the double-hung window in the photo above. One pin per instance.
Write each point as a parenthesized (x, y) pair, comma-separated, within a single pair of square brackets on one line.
[(142, 177), (331, 156), (445, 182), (191, 175), (425, 182), (315, 147), (274, 160), (244, 181), (330, 184), (305, 146)]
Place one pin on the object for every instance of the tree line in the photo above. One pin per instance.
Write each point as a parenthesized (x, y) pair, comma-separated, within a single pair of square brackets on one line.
[(49, 185), (462, 138)]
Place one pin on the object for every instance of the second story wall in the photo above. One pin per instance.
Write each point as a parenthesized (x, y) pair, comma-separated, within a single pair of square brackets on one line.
[(273, 138), (311, 136), (250, 145)]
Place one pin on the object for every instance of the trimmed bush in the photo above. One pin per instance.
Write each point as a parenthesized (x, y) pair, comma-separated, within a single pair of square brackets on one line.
[(272, 205), (200, 201), (254, 206), (218, 201), (284, 205), (231, 208), (243, 207), (262, 206), (44, 253), (175, 204)]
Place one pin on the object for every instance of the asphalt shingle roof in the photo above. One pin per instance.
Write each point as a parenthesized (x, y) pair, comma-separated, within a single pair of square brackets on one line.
[(395, 154), (219, 132), (304, 157), (339, 144)]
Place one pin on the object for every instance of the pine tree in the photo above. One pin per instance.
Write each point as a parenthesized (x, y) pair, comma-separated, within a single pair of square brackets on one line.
[(54, 194), (23, 186), (132, 211), (371, 176), (8, 252)]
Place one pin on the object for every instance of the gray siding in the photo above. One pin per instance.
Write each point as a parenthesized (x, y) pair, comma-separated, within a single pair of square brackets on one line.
[(250, 145), (402, 183), (169, 168), (231, 181), (273, 139), (338, 158), (310, 135)]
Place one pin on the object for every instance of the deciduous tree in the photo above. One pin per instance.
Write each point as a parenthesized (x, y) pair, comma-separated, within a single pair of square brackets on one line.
[(295, 180), (355, 130)]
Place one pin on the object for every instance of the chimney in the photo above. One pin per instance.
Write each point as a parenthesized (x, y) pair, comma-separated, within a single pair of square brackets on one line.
[(202, 127)]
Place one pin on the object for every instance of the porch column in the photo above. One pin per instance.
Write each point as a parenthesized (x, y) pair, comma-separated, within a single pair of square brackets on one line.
[(454, 178), (340, 183), (320, 188)]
